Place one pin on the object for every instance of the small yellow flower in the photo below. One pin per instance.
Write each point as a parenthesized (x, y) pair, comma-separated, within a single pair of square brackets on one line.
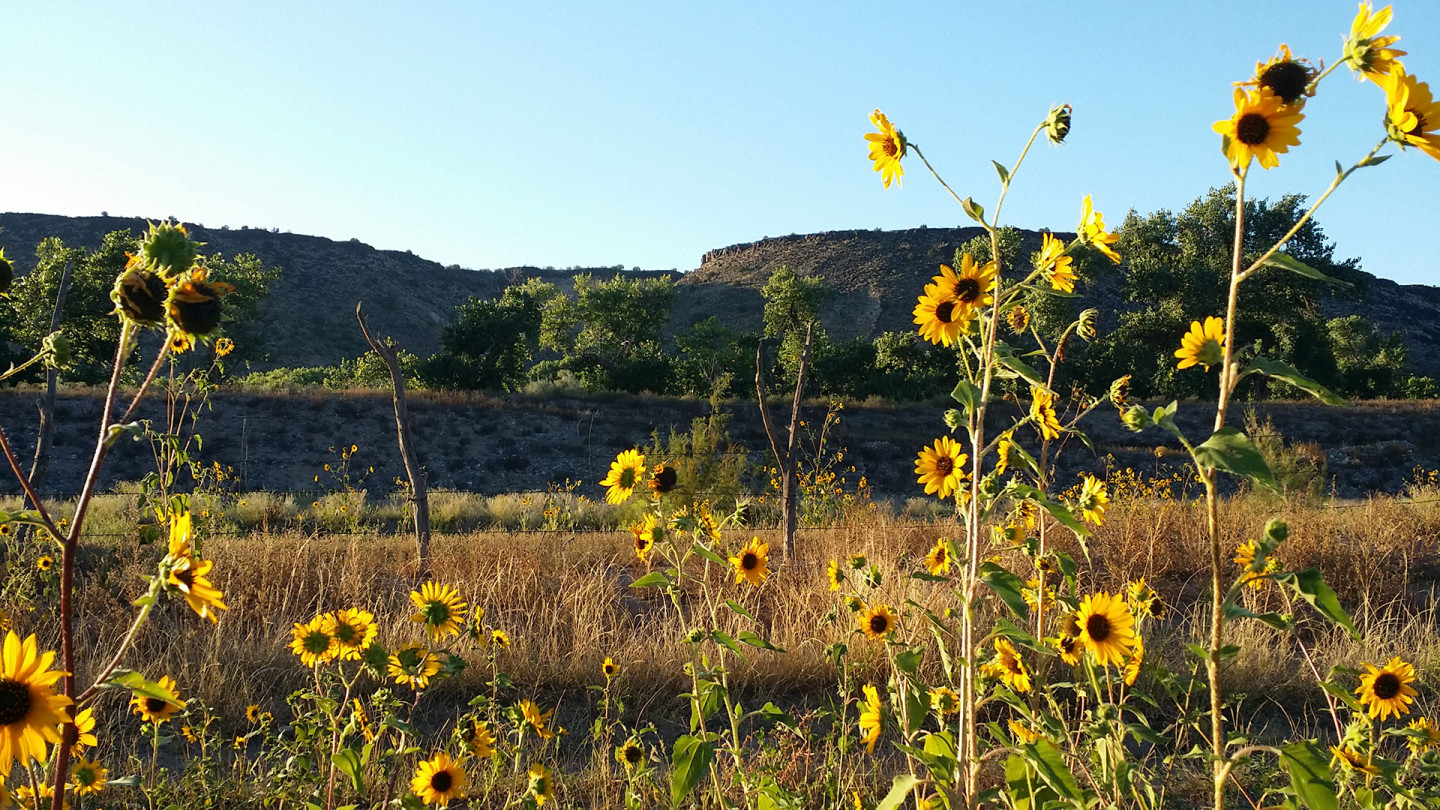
[(45, 563), (1412, 117), (1203, 345), (86, 777), (1262, 127), (752, 564), (626, 473), (1366, 52), (1424, 735), (944, 701), (937, 562), (438, 780), (536, 719), (1137, 657), (1106, 628), (876, 622), (870, 719), (610, 668), (500, 638), (224, 346), (1092, 500), (942, 469), (835, 575), (887, 148), (1387, 689), (1008, 667), (478, 739), (1092, 231), (1055, 265), (1042, 411), (157, 707), (439, 608)]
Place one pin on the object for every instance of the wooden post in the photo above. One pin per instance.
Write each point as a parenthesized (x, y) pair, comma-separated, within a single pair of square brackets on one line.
[(788, 461), (40, 466), (420, 498)]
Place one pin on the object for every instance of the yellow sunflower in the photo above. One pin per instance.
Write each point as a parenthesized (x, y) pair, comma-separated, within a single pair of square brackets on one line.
[(937, 561), (252, 713), (1023, 733), (1008, 667), (313, 643), (610, 668), (224, 346), (626, 473), (1042, 411), (478, 739), (354, 629), (941, 320), (87, 777), (942, 469), (647, 534), (500, 638), (1070, 648), (1018, 317), (45, 563), (1353, 761), (180, 530), (413, 665), (542, 784), (887, 148), (1423, 735), (1092, 500), (1387, 689), (1057, 268), (876, 621), (663, 479), (752, 564), (630, 754), (438, 780), (1092, 231), (1203, 345), (85, 730), (944, 701), (1003, 450), (188, 575), (439, 608), (1137, 657), (1285, 76), (1368, 53), (1106, 628), (31, 714), (973, 286), (1263, 126), (1412, 117), (870, 719), (158, 707), (835, 575), (536, 719), (1120, 392)]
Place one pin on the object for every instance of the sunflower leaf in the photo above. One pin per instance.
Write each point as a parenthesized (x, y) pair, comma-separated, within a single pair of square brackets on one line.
[(1057, 511), (1287, 373), (1007, 586), (753, 640), (1003, 172), (1375, 160), (1018, 367), (1275, 620), (654, 579), (691, 757), (1342, 694), (739, 609), (1285, 261), (1027, 792), (899, 792), (726, 641), (1309, 771), (1230, 450), (348, 763), (710, 555), (1051, 768), (974, 210), (909, 660), (1310, 586), (967, 394)]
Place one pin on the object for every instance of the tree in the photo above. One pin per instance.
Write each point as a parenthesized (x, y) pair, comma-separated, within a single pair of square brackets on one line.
[(709, 355), (609, 335), (488, 345)]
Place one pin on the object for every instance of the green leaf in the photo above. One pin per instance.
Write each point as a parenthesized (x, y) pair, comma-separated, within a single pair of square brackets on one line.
[(917, 707), (1050, 765), (709, 555), (974, 210), (729, 643), (967, 394), (1375, 160), (1344, 694), (739, 609), (1275, 620), (1019, 367), (691, 757), (1003, 172), (899, 792), (348, 763), (1309, 771), (1285, 261), (1056, 510), (909, 660), (774, 713), (1007, 586), (1025, 791), (753, 640), (1311, 587), (942, 756), (1287, 373), (654, 579), (1230, 450)]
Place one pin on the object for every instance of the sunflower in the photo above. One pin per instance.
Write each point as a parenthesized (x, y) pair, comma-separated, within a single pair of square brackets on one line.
[(1203, 345), (887, 147), (1023, 733), (1092, 231), (870, 720), (1032, 595), (542, 784), (1069, 648), (626, 472), (85, 730), (439, 780), (354, 629), (1387, 689), (1285, 76), (1137, 657), (500, 638), (1120, 392), (188, 732), (835, 575), (647, 534), (941, 320), (1008, 667), (1412, 117), (1055, 265), (663, 479), (944, 701), (45, 563), (610, 668), (753, 563), (180, 531), (1367, 53), (1423, 735), (876, 622), (1003, 450), (30, 712), (942, 469), (1353, 761), (188, 575), (313, 643), (224, 346), (478, 739), (937, 562), (439, 608), (1042, 410), (1092, 500), (140, 295), (536, 719), (87, 777), (630, 754), (252, 713), (1106, 628), (1263, 126), (1018, 317), (413, 665), (973, 286), (162, 701)]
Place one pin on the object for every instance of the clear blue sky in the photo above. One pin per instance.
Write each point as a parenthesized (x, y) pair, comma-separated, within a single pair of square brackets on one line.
[(587, 133)]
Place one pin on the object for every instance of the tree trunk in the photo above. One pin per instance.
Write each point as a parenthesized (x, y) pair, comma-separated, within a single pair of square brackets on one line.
[(420, 498), (787, 461), (40, 466)]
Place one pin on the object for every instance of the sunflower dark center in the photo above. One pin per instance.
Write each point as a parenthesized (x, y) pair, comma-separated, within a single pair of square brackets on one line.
[(665, 480), (940, 554), (967, 290), (155, 705), (749, 561), (186, 577), (642, 541), (346, 633), (891, 147), (879, 623), (1252, 129), (1286, 79), (1097, 627), (1419, 128), (945, 312), (632, 754), (1387, 685), (945, 465), (442, 781), (15, 701)]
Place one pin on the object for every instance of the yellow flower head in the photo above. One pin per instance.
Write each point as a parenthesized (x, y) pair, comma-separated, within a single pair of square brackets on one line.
[(973, 286), (439, 608), (610, 668), (224, 346), (876, 622), (1070, 648), (1023, 733), (180, 531), (1263, 127), (1018, 318), (1412, 117), (413, 665), (1008, 667), (942, 468), (752, 564), (941, 320), (1285, 76), (630, 754), (1092, 231), (1423, 735), (85, 730), (1354, 761), (1387, 689), (87, 777), (870, 719), (188, 575), (1203, 345), (438, 780), (937, 561), (835, 575), (157, 707), (354, 629), (1092, 500), (313, 643), (1366, 52), (478, 739), (31, 714), (663, 479), (647, 534), (887, 148), (536, 719), (1106, 628), (45, 563), (944, 701), (1055, 265), (1042, 411), (626, 473), (500, 638), (1137, 657), (542, 784)]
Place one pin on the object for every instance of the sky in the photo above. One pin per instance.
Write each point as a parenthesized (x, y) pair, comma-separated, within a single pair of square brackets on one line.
[(492, 135)]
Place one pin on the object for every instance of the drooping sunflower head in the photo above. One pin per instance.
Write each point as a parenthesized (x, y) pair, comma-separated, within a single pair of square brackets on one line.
[(876, 621), (663, 479), (477, 739), (871, 720), (188, 575), (313, 643), (1387, 689), (1353, 760), (937, 561), (1120, 392), (140, 296), (354, 629), (1057, 123), (31, 714), (438, 780), (1412, 116), (1285, 76), (413, 665), (887, 148), (944, 701), (647, 533), (1106, 628), (195, 302), (1070, 648), (1422, 735), (626, 473), (752, 563), (1018, 318), (167, 249), (1262, 128), (1043, 413), (942, 468), (1366, 52), (537, 720), (439, 608), (1008, 667), (1092, 231), (542, 784), (158, 702), (630, 754), (1203, 345), (835, 575), (1137, 657)]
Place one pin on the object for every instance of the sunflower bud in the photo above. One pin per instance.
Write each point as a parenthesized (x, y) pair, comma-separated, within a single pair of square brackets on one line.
[(59, 348), (953, 420), (1136, 418), (1089, 321), (140, 295), (1057, 125), (167, 249), (195, 303), (7, 272), (1277, 531), (696, 635), (1120, 392)]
